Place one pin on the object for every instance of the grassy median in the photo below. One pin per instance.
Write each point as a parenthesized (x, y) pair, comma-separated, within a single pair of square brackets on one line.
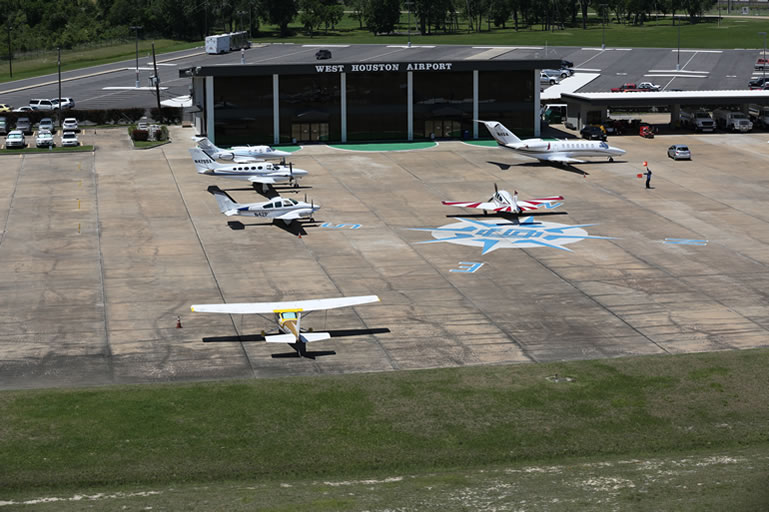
[(376, 424)]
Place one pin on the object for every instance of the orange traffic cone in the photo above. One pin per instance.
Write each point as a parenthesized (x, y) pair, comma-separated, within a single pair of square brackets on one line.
[(178, 322)]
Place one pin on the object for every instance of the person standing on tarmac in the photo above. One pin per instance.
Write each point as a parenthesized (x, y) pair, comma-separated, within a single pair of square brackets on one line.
[(648, 175)]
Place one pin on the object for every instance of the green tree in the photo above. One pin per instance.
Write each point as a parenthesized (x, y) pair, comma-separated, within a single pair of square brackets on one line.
[(280, 13), (382, 16)]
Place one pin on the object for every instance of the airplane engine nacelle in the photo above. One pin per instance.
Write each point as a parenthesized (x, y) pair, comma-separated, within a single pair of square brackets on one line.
[(536, 146), (226, 156)]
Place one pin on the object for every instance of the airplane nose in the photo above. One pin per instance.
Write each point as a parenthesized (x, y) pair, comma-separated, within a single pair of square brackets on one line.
[(299, 172)]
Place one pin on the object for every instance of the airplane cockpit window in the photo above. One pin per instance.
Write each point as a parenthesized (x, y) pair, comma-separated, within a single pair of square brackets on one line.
[(289, 202), (269, 205), (288, 315), (603, 145)]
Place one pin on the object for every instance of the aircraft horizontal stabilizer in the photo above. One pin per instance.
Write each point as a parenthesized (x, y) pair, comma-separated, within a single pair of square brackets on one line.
[(280, 338), (307, 337)]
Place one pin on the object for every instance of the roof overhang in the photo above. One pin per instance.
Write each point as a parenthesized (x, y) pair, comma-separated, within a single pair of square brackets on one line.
[(663, 98), (329, 67)]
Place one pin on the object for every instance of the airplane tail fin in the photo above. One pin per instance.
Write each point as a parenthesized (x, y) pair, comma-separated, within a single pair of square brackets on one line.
[(203, 162), (206, 145), (225, 202), (501, 134)]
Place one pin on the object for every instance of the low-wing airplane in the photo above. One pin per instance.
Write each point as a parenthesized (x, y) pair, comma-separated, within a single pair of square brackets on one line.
[(288, 316), (562, 151), (263, 173), (239, 154), (280, 208), (508, 205)]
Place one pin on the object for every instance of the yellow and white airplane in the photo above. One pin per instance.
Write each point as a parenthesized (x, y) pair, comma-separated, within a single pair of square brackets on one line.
[(288, 316)]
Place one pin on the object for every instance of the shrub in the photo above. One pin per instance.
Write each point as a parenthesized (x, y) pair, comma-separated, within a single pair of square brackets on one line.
[(140, 135)]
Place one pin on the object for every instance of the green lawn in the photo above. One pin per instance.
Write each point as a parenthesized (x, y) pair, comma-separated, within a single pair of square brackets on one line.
[(57, 149), (377, 425)]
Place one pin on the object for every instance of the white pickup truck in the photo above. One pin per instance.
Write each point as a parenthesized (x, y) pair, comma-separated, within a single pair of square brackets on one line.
[(648, 86), (697, 120)]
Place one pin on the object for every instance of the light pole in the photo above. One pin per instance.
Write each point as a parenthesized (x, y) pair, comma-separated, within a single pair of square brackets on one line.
[(408, 4), (59, 102), (763, 68), (603, 25), (678, 53), (10, 53), (137, 28)]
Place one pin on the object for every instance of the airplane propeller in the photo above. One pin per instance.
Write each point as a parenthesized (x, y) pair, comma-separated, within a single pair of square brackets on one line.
[(496, 191)]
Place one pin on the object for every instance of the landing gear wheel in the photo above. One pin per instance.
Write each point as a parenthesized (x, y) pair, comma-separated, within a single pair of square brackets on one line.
[(611, 159)]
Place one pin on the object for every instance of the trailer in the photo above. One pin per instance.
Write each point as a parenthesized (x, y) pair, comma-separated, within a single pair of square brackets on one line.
[(224, 43)]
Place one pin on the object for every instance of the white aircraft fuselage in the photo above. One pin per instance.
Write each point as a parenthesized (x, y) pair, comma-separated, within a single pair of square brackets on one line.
[(254, 172), (283, 208), (563, 151)]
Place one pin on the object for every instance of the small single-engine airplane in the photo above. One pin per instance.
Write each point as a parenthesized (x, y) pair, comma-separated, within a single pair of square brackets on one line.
[(508, 205), (279, 208), (288, 316), (262, 173), (562, 151), (239, 154)]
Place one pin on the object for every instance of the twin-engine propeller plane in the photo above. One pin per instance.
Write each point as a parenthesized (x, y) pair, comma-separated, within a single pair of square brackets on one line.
[(278, 208), (506, 205), (288, 316), (257, 173), (239, 154), (561, 151)]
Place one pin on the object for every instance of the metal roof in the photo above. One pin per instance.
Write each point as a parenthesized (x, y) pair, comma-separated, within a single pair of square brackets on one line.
[(627, 99)]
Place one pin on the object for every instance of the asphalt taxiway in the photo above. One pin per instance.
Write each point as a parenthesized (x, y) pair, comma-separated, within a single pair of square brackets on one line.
[(100, 252)]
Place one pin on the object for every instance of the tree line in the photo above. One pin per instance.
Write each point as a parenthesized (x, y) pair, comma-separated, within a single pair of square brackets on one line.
[(43, 24)]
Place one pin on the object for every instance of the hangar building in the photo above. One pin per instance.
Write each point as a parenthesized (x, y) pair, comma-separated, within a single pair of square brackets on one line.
[(366, 100)]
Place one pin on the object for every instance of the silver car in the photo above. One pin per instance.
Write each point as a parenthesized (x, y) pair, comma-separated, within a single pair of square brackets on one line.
[(679, 152), (46, 123), (15, 139)]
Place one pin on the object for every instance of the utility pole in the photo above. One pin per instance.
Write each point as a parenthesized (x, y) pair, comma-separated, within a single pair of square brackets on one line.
[(137, 28), (678, 54), (156, 80), (408, 4), (603, 25), (10, 53), (59, 102), (763, 68)]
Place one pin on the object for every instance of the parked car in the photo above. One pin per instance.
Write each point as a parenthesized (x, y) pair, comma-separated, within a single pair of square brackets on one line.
[(560, 73), (65, 103), (625, 87), (549, 76), (69, 139), (40, 104), (3, 125), (46, 123), (24, 108), (4, 107), (758, 82), (591, 132), (761, 63), (648, 86), (23, 125), (69, 125), (15, 139), (323, 54), (679, 152), (44, 139)]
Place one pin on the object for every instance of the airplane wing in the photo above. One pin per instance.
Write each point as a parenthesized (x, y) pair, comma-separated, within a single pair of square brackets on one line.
[(307, 337), (246, 308), (561, 159), (246, 160), (266, 180), (524, 205), (291, 215)]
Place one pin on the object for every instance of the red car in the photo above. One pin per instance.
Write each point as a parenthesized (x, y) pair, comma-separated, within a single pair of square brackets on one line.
[(625, 88)]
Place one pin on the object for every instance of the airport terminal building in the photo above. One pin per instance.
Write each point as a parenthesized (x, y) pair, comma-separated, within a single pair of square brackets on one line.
[(374, 100)]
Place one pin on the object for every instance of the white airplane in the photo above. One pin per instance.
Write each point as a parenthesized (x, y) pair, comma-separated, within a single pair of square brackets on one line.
[(239, 154), (280, 208), (288, 316), (562, 151), (263, 173), (505, 204)]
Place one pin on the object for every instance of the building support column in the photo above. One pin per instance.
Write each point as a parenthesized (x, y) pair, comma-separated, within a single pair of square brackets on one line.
[(675, 115), (275, 110), (537, 128), (343, 90), (410, 105), (475, 103), (210, 109)]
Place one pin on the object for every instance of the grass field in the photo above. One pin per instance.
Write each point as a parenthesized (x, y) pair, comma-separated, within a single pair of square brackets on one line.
[(450, 423), (57, 149)]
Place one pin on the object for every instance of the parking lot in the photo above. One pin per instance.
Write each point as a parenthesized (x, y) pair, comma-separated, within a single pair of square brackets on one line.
[(102, 251)]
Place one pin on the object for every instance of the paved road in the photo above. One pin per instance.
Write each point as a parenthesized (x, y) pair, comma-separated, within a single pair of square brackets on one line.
[(698, 69)]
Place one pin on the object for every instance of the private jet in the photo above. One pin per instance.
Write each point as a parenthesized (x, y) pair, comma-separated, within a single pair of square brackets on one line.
[(264, 173), (562, 151), (239, 154), (278, 208), (505, 204), (288, 316)]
